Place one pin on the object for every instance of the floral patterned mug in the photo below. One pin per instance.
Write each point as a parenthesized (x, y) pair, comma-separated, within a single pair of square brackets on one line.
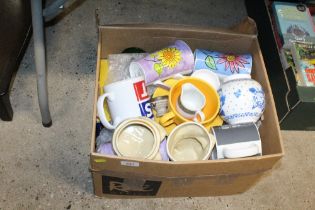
[(222, 64), (174, 59)]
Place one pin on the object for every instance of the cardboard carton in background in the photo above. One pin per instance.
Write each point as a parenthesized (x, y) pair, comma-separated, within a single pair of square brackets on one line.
[(120, 177)]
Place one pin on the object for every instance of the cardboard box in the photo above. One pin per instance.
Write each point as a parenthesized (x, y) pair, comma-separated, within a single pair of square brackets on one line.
[(295, 104), (120, 177)]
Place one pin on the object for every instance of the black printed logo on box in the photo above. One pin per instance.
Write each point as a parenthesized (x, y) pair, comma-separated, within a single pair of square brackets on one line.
[(122, 186), (301, 7)]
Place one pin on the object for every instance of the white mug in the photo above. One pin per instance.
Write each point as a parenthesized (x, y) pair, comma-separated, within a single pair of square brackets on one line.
[(237, 141), (125, 99), (208, 76)]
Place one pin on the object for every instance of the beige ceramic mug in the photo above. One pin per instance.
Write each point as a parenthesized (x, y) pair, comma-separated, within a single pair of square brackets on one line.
[(138, 137), (190, 141)]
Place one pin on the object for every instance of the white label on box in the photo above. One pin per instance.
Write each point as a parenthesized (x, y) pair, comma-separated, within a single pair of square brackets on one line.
[(129, 163)]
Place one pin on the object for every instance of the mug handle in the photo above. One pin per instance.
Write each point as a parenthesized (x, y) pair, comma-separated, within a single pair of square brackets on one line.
[(247, 151), (101, 112), (201, 116), (159, 83), (167, 119)]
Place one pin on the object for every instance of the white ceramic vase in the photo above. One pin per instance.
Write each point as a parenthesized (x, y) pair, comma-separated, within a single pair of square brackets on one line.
[(242, 99)]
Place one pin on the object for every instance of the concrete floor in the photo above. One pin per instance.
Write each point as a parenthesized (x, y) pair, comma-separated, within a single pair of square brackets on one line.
[(47, 168)]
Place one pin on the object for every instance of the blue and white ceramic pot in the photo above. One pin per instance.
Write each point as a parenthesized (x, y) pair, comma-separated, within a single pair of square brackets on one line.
[(242, 99)]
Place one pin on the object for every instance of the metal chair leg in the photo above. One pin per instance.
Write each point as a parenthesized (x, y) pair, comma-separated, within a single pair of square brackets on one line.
[(53, 9), (40, 61)]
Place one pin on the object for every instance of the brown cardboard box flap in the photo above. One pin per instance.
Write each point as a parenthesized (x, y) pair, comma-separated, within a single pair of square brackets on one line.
[(246, 26), (150, 37)]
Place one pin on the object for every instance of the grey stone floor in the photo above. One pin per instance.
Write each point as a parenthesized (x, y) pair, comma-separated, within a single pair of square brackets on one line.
[(44, 168)]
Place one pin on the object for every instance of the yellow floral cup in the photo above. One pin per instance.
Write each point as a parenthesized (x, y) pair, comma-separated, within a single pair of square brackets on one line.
[(174, 59), (210, 110)]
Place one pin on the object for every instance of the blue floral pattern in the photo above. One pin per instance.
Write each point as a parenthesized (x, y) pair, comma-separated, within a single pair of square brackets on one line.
[(222, 102), (238, 93), (258, 98), (239, 115)]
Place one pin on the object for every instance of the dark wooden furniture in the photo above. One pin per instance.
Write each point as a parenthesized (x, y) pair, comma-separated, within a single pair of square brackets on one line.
[(295, 104), (15, 31)]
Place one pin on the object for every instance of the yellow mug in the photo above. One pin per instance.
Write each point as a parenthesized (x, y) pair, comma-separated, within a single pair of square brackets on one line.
[(210, 110)]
